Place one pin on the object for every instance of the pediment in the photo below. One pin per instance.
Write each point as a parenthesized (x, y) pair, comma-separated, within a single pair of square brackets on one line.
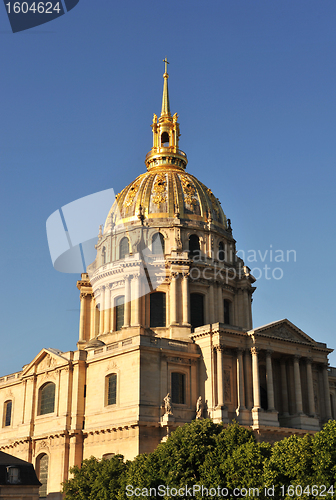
[(284, 330), (46, 360)]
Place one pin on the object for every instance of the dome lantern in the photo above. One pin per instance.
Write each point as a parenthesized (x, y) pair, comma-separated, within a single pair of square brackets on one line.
[(166, 133)]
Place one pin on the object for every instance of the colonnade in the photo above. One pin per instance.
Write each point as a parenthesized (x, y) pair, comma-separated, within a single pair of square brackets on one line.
[(103, 320), (243, 386)]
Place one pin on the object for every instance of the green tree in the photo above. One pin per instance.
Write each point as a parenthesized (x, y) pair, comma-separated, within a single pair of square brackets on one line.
[(290, 464), (236, 461), (324, 456), (97, 480)]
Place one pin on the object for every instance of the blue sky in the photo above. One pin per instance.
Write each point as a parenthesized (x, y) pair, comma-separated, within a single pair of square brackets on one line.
[(254, 84)]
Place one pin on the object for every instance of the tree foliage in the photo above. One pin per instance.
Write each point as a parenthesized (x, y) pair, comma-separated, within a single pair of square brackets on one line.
[(207, 454)]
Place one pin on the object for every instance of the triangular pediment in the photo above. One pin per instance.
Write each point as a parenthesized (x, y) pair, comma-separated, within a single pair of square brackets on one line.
[(284, 330), (47, 359)]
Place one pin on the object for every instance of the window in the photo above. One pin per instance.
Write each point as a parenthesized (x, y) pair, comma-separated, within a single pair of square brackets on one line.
[(112, 389), (196, 310), (123, 248), (178, 388), (221, 253), (119, 311), (227, 307), (47, 398), (158, 243), (7, 414), (165, 139), (108, 456), (158, 309), (13, 475), (194, 246), (42, 467)]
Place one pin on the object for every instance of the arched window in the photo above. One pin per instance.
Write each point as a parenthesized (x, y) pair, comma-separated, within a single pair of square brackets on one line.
[(221, 253), (194, 246), (104, 255), (42, 472), (178, 388), (227, 312), (7, 419), (157, 309), (111, 382), (108, 456), (123, 248), (119, 311), (196, 309), (158, 244), (47, 398), (164, 139)]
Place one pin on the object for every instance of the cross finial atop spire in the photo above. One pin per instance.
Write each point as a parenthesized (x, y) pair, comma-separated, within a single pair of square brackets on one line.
[(165, 110), (166, 67)]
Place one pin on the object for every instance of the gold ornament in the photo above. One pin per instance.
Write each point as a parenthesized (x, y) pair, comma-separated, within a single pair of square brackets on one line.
[(159, 189)]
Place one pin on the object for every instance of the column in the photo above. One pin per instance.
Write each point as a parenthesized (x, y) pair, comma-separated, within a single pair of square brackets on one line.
[(310, 385), (248, 374), (107, 310), (297, 383), (173, 298), (220, 376), (240, 380), (82, 317), (136, 301), (211, 304), (101, 310), (185, 299), (326, 392), (220, 306), (113, 315), (284, 392), (269, 381), (127, 302), (255, 378), (93, 318)]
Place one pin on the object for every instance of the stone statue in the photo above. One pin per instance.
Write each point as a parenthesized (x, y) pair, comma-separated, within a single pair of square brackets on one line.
[(167, 402), (199, 408)]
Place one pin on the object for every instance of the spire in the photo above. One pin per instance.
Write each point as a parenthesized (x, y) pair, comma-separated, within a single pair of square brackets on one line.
[(165, 110)]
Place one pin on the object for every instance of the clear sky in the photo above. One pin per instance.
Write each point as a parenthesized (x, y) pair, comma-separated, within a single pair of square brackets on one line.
[(254, 84)]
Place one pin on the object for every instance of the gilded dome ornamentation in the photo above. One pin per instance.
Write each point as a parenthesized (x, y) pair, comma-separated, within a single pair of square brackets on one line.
[(159, 189)]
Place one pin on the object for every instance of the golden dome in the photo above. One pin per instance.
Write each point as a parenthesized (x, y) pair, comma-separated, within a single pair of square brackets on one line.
[(166, 190)]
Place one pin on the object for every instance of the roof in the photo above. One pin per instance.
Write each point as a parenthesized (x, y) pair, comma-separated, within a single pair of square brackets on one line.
[(27, 471)]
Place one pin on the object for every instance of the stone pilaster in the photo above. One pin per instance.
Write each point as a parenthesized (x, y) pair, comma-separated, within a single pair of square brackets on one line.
[(310, 384), (269, 381), (297, 384)]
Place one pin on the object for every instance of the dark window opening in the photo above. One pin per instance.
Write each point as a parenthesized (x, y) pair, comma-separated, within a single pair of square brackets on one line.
[(157, 309), (120, 309), (104, 255), (263, 398), (8, 413), (194, 246), (47, 398), (123, 248), (112, 389), (43, 467), (196, 310), (221, 252), (165, 139), (227, 312), (178, 388), (85, 391), (158, 244)]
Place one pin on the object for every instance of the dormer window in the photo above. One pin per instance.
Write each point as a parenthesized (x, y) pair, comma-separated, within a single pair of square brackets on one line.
[(13, 475), (165, 139)]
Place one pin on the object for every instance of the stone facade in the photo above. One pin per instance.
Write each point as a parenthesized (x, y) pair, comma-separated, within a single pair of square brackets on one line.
[(165, 335)]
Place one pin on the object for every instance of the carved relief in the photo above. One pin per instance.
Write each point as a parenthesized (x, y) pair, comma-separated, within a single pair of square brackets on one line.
[(46, 363), (159, 189), (132, 192), (189, 190), (283, 333), (227, 386)]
